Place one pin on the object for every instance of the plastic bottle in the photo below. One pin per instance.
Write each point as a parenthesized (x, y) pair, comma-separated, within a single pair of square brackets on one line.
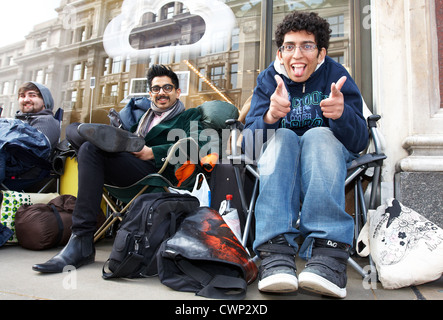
[(230, 215)]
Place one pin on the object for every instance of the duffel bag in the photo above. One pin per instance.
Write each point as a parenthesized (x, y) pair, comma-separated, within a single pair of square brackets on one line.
[(205, 257), (42, 226)]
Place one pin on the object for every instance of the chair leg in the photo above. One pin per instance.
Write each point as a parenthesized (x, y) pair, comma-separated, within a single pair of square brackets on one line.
[(250, 214), (116, 214), (361, 216)]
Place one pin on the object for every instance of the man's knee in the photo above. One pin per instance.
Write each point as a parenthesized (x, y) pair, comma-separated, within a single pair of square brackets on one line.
[(86, 149), (284, 137), (320, 139), (318, 134)]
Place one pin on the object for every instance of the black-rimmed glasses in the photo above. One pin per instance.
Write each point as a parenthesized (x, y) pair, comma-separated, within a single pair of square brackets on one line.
[(167, 88)]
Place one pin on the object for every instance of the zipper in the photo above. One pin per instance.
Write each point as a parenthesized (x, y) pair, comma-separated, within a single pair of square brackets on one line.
[(150, 221), (138, 240)]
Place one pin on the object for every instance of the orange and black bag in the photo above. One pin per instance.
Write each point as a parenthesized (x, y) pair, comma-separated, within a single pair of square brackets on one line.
[(205, 257)]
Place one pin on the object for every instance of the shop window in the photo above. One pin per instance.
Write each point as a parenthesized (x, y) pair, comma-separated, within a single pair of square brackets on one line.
[(117, 64), (77, 72), (235, 40), (81, 34), (6, 88), (74, 97), (337, 26), (340, 59), (226, 66), (114, 93), (234, 75), (106, 62), (127, 64), (42, 45), (170, 11), (217, 76), (164, 56), (200, 79), (40, 76)]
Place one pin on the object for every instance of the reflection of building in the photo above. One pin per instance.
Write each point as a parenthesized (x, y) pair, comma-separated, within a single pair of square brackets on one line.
[(67, 53)]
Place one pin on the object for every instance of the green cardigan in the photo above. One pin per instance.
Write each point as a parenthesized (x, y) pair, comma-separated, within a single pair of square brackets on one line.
[(188, 124)]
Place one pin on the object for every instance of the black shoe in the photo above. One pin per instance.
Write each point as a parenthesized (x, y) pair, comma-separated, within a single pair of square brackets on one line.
[(325, 272), (111, 139), (78, 252), (278, 273)]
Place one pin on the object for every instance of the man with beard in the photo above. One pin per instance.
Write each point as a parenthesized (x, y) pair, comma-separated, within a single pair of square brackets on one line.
[(31, 136), (114, 156)]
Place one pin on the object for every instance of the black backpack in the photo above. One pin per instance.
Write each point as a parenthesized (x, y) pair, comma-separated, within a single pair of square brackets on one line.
[(150, 220)]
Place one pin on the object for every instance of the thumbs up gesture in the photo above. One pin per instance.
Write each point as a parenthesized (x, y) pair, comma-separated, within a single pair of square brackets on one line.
[(334, 106), (280, 104)]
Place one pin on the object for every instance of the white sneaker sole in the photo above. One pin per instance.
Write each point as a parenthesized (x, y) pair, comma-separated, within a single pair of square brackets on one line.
[(278, 283), (315, 283)]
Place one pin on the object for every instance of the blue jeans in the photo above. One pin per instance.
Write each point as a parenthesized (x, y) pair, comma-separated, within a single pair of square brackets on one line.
[(303, 177)]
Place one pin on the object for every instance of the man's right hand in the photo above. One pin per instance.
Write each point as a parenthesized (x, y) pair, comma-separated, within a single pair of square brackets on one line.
[(145, 154), (280, 105)]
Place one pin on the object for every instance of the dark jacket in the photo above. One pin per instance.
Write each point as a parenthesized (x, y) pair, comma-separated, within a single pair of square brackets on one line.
[(44, 122), (163, 136), (350, 129)]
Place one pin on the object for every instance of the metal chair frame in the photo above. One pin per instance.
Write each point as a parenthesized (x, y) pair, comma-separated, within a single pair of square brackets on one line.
[(356, 172)]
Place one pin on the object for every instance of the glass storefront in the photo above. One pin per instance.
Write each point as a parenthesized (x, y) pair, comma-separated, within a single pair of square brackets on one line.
[(95, 56)]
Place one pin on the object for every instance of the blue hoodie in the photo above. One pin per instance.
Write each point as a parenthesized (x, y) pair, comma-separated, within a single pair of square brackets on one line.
[(351, 129)]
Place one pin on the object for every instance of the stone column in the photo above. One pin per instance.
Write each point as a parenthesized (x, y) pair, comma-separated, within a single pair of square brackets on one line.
[(406, 95)]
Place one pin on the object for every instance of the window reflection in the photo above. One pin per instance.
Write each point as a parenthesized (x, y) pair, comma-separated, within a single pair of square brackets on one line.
[(67, 53)]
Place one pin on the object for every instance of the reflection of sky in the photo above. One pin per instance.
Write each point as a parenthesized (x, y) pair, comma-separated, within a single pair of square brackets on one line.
[(18, 18)]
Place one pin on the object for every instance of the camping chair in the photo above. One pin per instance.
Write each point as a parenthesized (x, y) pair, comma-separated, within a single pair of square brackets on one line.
[(214, 115), (370, 160), (125, 196), (43, 175)]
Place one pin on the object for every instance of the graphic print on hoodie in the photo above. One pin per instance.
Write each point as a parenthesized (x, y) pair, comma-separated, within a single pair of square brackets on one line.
[(306, 112)]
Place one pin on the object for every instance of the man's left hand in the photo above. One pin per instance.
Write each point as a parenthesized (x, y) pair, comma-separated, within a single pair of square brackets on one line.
[(334, 106)]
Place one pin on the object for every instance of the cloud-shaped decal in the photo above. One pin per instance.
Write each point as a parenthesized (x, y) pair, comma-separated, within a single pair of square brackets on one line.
[(218, 18)]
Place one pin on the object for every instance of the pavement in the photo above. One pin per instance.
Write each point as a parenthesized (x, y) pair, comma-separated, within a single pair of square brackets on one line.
[(19, 282)]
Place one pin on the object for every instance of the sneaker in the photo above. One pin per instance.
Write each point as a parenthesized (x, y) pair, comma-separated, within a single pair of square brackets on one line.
[(325, 272), (278, 274), (111, 139)]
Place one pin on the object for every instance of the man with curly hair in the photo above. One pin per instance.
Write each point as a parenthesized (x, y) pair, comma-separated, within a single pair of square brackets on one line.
[(308, 111)]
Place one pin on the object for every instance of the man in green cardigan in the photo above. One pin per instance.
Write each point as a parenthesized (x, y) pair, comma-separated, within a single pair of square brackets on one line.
[(101, 161)]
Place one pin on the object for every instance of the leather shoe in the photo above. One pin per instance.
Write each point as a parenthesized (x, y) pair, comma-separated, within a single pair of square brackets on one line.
[(78, 252), (111, 139)]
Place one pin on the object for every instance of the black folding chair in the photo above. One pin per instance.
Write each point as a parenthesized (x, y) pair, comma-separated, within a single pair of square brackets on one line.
[(359, 169)]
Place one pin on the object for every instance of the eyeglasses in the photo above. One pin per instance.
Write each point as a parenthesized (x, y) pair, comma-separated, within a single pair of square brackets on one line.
[(167, 88), (290, 48)]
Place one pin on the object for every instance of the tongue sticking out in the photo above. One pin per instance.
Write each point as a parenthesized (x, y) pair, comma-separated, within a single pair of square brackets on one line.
[(298, 71)]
